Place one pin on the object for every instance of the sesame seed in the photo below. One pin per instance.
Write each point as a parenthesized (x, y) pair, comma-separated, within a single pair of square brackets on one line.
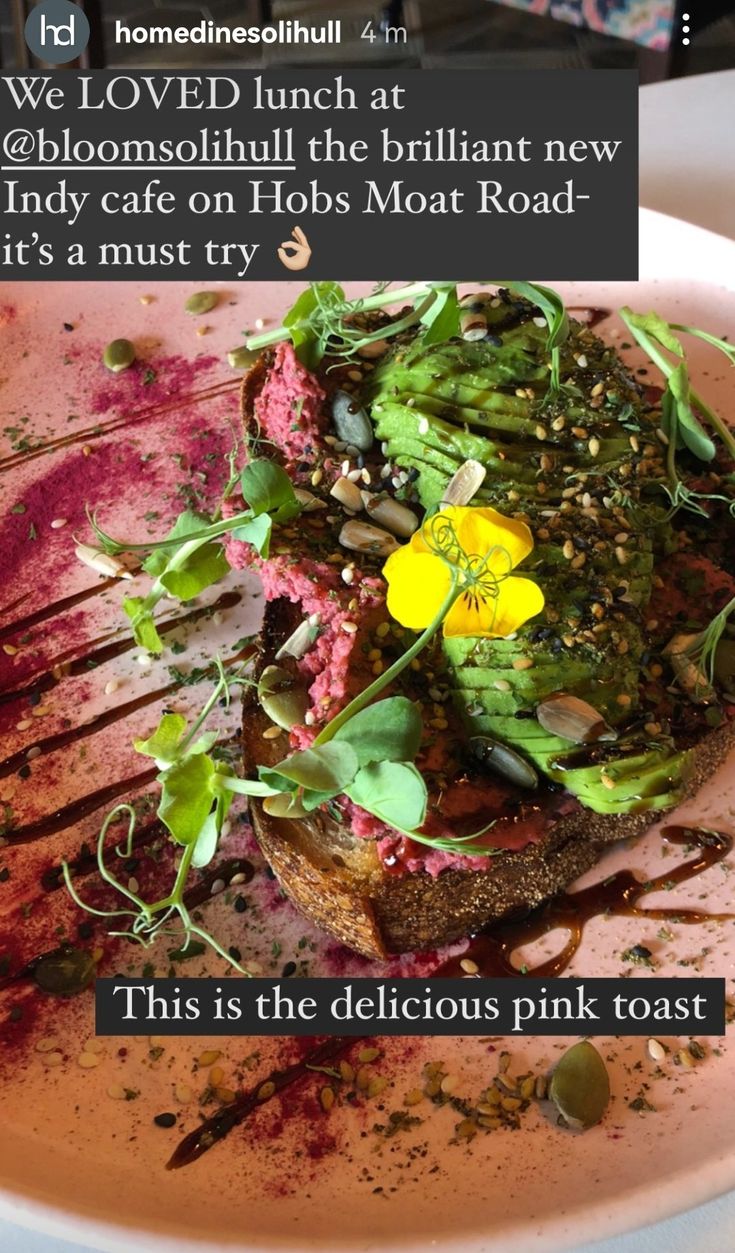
[(111, 686), (594, 446), (541, 432), (582, 361), (621, 555), (568, 550), (116, 1092), (217, 887), (598, 389), (88, 1061), (448, 1084), (558, 424), (633, 441), (53, 1059), (349, 628), (523, 663), (423, 426), (266, 1090), (502, 685), (469, 967), (656, 1050), (271, 733), (24, 724), (47, 1044), (623, 699), (57, 524), (10, 650)]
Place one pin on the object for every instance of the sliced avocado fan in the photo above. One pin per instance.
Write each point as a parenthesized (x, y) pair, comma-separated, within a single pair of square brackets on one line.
[(581, 470)]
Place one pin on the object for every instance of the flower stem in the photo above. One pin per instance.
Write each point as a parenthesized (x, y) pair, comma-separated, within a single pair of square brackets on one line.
[(365, 697)]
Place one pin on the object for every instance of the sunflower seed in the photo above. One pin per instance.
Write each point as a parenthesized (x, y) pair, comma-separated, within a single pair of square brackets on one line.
[(347, 493), (300, 640), (390, 513), (309, 502), (103, 563), (464, 484), (573, 719), (362, 538)]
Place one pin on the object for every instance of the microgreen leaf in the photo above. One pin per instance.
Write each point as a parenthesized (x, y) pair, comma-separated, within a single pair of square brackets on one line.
[(658, 328), (690, 430), (266, 487), (441, 319), (186, 797), (164, 744), (552, 306), (394, 791), (187, 524), (144, 628), (256, 531), (203, 568), (326, 770), (389, 730), (307, 336)]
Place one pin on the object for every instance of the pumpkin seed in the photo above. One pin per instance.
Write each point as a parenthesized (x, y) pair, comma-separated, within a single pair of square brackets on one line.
[(300, 640), (351, 422), (118, 355), (464, 484), (201, 302), (580, 1085), (241, 358), (281, 698), (573, 719), (284, 805), (65, 972), (504, 761)]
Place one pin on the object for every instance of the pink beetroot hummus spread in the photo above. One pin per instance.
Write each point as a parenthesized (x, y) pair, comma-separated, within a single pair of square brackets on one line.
[(290, 411)]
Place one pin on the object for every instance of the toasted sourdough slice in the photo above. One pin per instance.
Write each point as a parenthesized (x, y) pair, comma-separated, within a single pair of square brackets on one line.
[(340, 883), (339, 879)]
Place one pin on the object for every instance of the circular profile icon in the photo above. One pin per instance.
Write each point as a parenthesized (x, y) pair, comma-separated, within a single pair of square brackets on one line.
[(56, 31)]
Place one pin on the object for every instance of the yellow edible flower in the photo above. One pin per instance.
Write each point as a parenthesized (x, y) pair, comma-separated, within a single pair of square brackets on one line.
[(463, 556)]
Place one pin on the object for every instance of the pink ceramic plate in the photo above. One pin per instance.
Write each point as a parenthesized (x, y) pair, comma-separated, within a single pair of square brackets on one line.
[(75, 1158)]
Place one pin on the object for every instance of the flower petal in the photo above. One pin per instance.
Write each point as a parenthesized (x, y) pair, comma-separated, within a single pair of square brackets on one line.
[(517, 601), (418, 583), (483, 529)]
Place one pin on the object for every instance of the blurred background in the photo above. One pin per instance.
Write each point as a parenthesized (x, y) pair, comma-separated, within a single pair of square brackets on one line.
[(662, 39)]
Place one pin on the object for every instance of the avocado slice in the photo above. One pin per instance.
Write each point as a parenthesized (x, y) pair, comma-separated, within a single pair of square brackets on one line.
[(581, 470)]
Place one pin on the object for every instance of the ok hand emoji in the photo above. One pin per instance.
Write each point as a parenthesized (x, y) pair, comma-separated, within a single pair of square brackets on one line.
[(295, 253)]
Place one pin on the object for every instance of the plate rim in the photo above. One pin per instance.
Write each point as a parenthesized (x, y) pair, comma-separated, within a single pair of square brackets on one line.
[(684, 1190)]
